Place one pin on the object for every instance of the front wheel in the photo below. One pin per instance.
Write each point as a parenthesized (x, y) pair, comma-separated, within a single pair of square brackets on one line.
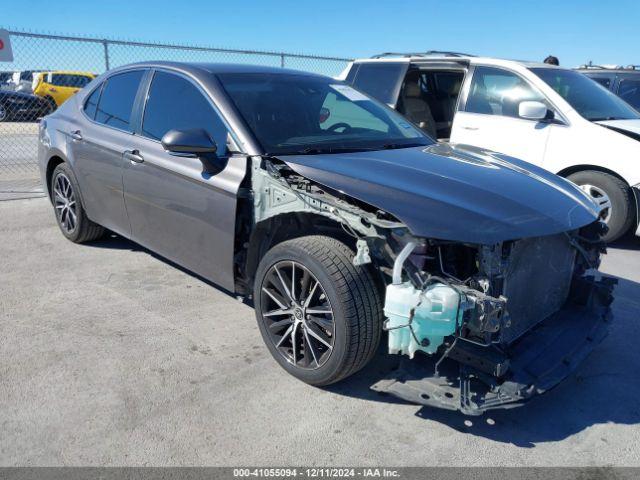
[(612, 195), (319, 315)]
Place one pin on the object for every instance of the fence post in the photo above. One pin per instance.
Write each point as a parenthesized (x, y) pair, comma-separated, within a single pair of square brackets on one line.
[(105, 44), (282, 60)]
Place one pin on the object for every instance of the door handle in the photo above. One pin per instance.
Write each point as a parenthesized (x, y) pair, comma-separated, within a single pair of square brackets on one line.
[(76, 135), (133, 156), (466, 127), (53, 90)]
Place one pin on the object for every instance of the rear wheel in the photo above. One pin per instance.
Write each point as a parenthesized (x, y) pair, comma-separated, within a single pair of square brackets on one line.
[(320, 316), (70, 214), (614, 197)]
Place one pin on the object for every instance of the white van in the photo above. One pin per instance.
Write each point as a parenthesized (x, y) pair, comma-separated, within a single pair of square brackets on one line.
[(550, 116)]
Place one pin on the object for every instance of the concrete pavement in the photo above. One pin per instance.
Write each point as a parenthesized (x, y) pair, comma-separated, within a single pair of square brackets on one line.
[(112, 356)]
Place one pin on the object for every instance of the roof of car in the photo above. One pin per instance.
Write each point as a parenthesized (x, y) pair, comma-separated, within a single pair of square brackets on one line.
[(450, 57), (217, 68), (68, 72), (609, 68)]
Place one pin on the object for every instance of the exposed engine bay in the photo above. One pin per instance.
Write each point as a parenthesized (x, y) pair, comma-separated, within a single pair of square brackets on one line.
[(509, 325), (479, 327)]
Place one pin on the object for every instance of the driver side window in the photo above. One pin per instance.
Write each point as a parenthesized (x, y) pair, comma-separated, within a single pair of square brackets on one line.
[(173, 102), (498, 92), (336, 111)]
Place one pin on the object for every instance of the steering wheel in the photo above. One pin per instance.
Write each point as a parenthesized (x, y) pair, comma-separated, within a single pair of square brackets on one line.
[(338, 125)]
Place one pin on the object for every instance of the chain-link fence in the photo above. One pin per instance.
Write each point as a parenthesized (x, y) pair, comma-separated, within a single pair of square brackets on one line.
[(48, 69)]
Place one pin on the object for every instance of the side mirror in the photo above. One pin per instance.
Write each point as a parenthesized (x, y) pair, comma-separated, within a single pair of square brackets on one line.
[(533, 110), (193, 143)]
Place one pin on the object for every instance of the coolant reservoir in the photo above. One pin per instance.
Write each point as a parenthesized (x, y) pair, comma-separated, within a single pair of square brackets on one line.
[(436, 308)]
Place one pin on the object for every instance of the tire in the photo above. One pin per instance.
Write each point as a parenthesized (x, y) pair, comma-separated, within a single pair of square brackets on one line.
[(70, 214), (620, 197), (349, 292), (4, 113)]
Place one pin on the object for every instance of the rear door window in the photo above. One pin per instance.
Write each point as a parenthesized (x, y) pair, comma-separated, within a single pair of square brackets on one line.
[(69, 80), (91, 104), (176, 103), (381, 80), (118, 96)]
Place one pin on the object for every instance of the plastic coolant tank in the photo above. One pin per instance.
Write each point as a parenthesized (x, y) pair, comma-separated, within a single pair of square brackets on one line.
[(436, 308)]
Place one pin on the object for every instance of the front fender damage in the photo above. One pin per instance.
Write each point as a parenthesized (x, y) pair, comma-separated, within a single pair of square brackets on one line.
[(480, 326)]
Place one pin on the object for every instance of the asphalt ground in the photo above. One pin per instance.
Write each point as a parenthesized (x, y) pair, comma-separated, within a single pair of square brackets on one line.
[(110, 355)]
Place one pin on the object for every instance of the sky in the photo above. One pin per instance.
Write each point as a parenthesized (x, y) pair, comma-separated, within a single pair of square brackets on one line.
[(574, 31)]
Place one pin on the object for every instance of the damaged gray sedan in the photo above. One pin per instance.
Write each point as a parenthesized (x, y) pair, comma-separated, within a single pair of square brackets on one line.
[(340, 220)]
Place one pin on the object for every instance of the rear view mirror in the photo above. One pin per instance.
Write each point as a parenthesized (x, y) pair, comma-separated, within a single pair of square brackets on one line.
[(194, 141), (532, 110)]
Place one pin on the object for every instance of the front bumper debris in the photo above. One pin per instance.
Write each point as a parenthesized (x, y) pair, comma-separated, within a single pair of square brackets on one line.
[(482, 378)]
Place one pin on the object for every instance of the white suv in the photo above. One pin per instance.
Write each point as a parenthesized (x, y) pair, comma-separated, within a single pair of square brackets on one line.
[(550, 116)]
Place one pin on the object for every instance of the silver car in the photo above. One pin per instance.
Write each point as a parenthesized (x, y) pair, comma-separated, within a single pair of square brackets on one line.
[(339, 220)]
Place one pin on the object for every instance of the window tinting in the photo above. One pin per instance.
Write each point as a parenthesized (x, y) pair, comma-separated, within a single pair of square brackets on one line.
[(91, 105), (629, 91), (304, 114), (380, 80), (498, 92), (116, 102), (592, 101), (69, 80), (176, 103)]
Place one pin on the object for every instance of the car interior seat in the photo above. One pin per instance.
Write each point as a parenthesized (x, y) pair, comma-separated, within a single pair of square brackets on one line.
[(416, 108)]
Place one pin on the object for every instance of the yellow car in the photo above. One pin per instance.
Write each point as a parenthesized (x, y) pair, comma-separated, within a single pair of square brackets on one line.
[(57, 87)]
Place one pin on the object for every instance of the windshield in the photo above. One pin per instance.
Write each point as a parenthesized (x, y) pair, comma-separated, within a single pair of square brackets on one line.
[(301, 114), (588, 98)]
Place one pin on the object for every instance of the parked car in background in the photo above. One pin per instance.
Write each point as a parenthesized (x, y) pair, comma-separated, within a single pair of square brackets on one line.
[(321, 204), (18, 81), (623, 81), (5, 80), (552, 117), (56, 87), (22, 106)]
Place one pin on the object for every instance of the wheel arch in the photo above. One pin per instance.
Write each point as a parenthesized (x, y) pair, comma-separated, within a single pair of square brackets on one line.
[(584, 167), (52, 163), (635, 196), (286, 226)]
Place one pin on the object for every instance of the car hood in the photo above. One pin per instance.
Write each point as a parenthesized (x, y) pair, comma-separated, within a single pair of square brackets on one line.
[(632, 126), (459, 193)]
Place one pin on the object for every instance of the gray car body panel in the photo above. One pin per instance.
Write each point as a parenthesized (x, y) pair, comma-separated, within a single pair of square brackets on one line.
[(455, 193)]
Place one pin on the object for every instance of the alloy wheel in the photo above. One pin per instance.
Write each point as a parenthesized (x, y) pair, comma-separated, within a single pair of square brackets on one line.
[(65, 203), (601, 198), (297, 315)]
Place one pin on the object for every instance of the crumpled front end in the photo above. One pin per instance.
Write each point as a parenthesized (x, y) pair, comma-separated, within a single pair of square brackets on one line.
[(500, 323)]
